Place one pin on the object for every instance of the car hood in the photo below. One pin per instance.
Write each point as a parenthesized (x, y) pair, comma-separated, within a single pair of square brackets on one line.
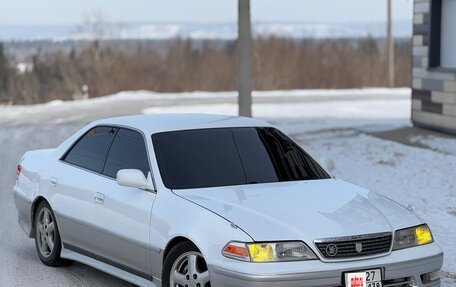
[(303, 210)]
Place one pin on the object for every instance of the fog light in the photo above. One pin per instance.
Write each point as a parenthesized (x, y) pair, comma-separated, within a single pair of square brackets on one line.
[(430, 277)]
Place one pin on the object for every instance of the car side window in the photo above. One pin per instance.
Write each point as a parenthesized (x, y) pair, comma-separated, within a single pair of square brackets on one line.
[(128, 151), (90, 151)]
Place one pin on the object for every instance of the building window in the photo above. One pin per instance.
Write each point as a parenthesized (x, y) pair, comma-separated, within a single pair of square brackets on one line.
[(442, 36), (448, 34)]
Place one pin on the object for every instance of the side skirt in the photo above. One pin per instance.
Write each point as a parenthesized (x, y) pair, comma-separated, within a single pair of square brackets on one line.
[(82, 256)]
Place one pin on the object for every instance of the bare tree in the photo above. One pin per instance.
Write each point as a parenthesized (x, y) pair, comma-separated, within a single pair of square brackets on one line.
[(185, 65), (5, 77), (94, 26)]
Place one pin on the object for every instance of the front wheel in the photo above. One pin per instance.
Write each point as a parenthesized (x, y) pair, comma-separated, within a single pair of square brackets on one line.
[(185, 267), (47, 238)]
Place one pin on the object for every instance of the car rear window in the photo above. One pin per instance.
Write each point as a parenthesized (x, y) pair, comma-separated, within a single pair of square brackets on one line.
[(231, 156)]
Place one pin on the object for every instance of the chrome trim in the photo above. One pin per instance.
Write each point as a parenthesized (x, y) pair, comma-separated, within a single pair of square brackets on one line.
[(353, 237)]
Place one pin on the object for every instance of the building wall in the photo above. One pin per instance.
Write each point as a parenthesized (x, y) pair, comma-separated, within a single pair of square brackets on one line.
[(433, 87)]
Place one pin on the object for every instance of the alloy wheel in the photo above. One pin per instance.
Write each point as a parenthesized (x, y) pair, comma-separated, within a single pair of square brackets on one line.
[(189, 270), (45, 232)]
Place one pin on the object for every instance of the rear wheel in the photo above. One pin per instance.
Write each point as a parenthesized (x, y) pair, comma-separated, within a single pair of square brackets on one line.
[(47, 238), (185, 267)]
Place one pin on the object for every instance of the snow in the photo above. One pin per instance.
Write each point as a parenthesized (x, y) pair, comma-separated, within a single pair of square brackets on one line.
[(329, 110), (201, 31), (444, 145), (337, 127), (8, 112)]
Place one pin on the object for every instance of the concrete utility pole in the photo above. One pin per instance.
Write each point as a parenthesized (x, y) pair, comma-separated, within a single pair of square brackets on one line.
[(390, 46), (244, 60)]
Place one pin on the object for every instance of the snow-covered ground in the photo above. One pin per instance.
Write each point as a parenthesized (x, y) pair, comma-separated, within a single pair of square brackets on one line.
[(202, 31), (338, 125)]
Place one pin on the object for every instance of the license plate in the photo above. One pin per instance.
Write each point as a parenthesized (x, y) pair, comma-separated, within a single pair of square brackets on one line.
[(368, 278)]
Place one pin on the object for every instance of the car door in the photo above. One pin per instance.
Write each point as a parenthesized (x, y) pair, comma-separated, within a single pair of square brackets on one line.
[(121, 218), (72, 182)]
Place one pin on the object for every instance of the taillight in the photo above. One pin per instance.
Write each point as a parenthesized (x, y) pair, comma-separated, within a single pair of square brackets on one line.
[(18, 170)]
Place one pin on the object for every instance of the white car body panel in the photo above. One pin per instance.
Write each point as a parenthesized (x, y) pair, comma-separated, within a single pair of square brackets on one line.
[(130, 209), (307, 210)]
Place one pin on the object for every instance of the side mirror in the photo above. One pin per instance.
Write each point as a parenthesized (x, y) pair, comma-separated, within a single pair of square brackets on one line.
[(134, 178)]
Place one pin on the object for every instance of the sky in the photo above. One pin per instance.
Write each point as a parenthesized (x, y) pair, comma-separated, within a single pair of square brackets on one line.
[(47, 12)]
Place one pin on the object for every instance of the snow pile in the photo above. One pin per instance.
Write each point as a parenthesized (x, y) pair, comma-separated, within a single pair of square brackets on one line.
[(444, 145)]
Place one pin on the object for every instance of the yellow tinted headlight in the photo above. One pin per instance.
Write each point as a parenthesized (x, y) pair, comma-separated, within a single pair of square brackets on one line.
[(269, 252), (261, 252), (414, 236), (423, 235)]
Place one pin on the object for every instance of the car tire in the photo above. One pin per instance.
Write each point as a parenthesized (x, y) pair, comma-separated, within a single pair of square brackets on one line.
[(47, 239), (185, 266)]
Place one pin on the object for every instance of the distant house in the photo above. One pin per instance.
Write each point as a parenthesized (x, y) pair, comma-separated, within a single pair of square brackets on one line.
[(434, 64)]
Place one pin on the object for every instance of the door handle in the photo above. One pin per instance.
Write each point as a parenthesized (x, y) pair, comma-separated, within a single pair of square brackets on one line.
[(99, 197), (53, 181)]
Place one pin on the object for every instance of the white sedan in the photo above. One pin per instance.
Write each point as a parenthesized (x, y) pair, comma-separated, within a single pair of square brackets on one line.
[(208, 200)]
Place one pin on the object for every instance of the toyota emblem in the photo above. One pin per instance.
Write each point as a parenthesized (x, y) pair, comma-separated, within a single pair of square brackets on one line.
[(331, 250)]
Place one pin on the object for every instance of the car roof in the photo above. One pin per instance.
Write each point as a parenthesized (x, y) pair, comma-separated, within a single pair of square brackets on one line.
[(156, 123)]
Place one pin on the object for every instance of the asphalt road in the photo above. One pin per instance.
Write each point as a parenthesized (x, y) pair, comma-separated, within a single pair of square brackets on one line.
[(46, 128)]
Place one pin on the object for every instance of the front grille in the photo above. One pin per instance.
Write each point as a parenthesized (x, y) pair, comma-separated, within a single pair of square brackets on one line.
[(354, 246)]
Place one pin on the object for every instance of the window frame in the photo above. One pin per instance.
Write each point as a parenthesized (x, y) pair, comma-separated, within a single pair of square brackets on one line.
[(439, 5), (435, 34), (110, 147), (62, 157), (435, 38), (65, 154)]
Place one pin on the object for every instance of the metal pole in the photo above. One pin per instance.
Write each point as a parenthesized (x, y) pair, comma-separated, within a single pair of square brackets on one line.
[(244, 64), (390, 47)]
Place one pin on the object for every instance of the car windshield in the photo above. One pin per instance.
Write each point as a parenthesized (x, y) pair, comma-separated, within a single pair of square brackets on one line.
[(231, 156)]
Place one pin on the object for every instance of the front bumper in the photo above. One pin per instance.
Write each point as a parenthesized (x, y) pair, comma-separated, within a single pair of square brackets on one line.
[(407, 265)]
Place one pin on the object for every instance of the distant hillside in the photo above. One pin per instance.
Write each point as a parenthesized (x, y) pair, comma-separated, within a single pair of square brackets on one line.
[(42, 71), (225, 31)]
